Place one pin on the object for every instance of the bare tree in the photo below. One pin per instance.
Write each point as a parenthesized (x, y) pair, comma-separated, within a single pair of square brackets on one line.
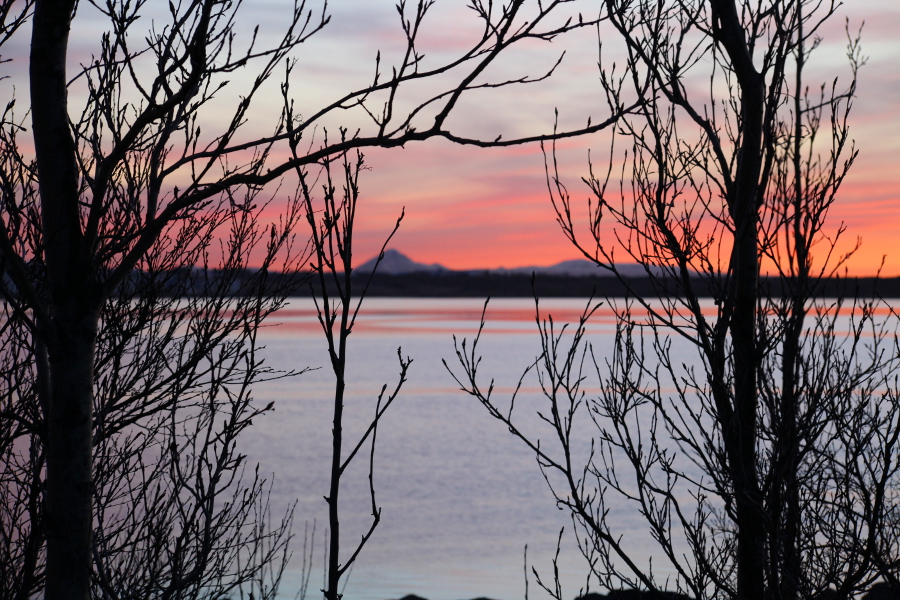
[(109, 180), (768, 465), (179, 513), (175, 514), (338, 302)]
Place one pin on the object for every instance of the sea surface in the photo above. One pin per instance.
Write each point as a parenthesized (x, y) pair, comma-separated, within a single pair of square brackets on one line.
[(460, 497)]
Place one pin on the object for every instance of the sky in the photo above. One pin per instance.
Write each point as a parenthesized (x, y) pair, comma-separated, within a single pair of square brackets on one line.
[(470, 208)]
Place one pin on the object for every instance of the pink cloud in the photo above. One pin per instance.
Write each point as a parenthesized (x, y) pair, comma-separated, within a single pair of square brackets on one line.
[(471, 208)]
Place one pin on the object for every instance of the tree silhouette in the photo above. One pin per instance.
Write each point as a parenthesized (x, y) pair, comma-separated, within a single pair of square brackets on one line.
[(89, 202), (767, 465)]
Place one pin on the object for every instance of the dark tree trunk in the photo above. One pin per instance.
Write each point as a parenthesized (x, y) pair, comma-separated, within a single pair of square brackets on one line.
[(74, 308), (740, 435), (741, 440), (334, 566), (69, 515), (339, 364)]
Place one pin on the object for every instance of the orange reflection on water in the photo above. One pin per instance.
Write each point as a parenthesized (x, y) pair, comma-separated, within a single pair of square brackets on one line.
[(462, 316)]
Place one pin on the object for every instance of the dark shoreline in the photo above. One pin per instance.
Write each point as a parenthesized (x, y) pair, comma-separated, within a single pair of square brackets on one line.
[(482, 285)]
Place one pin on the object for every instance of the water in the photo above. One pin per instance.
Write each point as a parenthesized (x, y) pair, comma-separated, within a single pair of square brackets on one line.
[(460, 497)]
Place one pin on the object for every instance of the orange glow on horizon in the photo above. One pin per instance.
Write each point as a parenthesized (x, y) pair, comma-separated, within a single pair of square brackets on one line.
[(510, 223), (469, 208)]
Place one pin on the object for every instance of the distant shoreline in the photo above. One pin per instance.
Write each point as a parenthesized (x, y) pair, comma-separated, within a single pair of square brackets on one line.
[(455, 284), (481, 284)]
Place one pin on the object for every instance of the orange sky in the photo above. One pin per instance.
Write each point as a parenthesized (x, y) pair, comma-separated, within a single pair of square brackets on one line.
[(468, 208)]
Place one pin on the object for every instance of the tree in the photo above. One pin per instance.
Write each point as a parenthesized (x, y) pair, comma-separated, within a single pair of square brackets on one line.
[(331, 222), (177, 511), (110, 180), (768, 467)]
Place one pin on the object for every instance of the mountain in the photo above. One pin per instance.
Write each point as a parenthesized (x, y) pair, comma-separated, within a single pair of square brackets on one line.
[(580, 267), (397, 263)]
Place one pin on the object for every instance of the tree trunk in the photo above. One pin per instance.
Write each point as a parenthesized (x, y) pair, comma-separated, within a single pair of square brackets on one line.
[(339, 364), (742, 441), (69, 517), (752, 523), (740, 435), (73, 311)]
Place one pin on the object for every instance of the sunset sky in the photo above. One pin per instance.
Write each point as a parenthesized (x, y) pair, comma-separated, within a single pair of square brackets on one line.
[(469, 208)]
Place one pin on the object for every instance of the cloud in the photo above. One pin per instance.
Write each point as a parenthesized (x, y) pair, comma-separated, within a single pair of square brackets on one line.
[(470, 208)]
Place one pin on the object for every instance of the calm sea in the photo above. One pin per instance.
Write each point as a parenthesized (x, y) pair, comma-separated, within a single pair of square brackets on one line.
[(460, 497)]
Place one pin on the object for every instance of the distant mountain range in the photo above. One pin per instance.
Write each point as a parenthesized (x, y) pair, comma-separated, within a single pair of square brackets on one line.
[(580, 267), (397, 263), (578, 278)]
